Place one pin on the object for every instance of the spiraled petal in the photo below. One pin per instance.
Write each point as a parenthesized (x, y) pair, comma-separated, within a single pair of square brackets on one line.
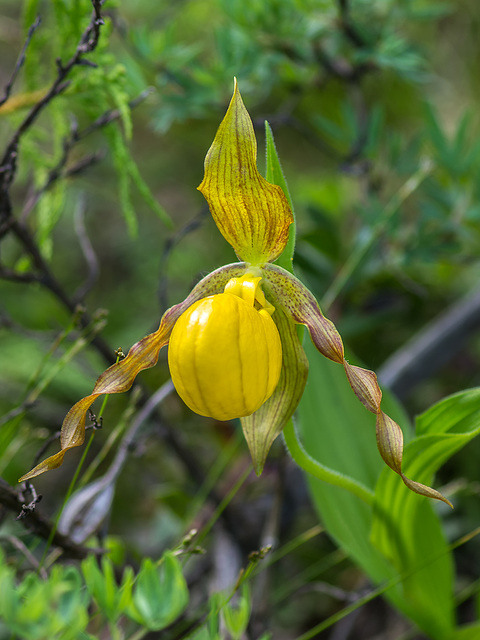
[(284, 289), (365, 386), (120, 377), (262, 427), (252, 214), (390, 445), (303, 308)]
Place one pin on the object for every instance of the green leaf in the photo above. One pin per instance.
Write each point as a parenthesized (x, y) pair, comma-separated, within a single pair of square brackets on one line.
[(160, 593), (274, 174), (121, 159), (103, 588), (71, 602), (467, 632), (338, 432), (340, 435), (407, 530), (236, 615), (147, 195)]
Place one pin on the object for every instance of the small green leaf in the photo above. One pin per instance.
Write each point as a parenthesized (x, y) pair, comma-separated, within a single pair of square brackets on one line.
[(236, 615), (147, 195), (102, 586), (160, 593)]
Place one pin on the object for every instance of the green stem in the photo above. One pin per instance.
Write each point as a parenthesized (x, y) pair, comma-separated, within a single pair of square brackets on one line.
[(216, 471), (223, 504), (339, 615), (318, 470), (360, 252), (290, 546)]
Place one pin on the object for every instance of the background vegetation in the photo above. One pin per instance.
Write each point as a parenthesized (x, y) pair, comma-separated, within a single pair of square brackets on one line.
[(105, 119)]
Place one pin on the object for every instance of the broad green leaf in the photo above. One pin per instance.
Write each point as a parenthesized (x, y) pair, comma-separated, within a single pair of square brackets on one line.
[(160, 593), (406, 530), (101, 585), (341, 435)]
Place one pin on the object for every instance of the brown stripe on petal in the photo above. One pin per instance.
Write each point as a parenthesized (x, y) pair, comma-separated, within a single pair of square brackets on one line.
[(390, 445), (390, 441), (143, 355), (423, 490), (253, 215), (364, 384), (302, 306)]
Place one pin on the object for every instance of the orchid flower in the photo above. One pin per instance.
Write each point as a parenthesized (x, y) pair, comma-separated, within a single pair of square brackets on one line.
[(234, 349)]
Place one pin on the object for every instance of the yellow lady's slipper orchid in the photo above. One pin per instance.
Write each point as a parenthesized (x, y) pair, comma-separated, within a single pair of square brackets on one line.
[(224, 354), (234, 347)]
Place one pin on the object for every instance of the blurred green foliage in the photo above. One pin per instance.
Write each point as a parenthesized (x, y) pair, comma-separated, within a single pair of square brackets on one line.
[(362, 96)]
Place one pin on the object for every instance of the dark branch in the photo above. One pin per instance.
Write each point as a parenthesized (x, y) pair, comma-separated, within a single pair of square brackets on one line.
[(348, 27), (16, 276), (432, 347), (20, 61), (88, 43), (38, 524)]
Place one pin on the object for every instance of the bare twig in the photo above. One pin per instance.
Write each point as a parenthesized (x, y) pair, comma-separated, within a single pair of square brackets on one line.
[(88, 252), (20, 61), (431, 347), (87, 44), (17, 276), (19, 545), (349, 29), (40, 525)]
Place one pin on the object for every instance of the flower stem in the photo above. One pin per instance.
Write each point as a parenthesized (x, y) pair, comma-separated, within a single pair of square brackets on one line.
[(224, 503), (318, 470)]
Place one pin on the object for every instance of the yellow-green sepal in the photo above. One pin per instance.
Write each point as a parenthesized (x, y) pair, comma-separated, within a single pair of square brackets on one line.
[(262, 427), (253, 215)]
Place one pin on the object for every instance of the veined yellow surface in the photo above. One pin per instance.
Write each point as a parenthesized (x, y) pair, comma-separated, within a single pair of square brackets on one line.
[(225, 357)]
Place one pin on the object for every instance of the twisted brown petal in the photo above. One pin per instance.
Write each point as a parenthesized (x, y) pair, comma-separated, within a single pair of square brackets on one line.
[(120, 377), (289, 292)]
